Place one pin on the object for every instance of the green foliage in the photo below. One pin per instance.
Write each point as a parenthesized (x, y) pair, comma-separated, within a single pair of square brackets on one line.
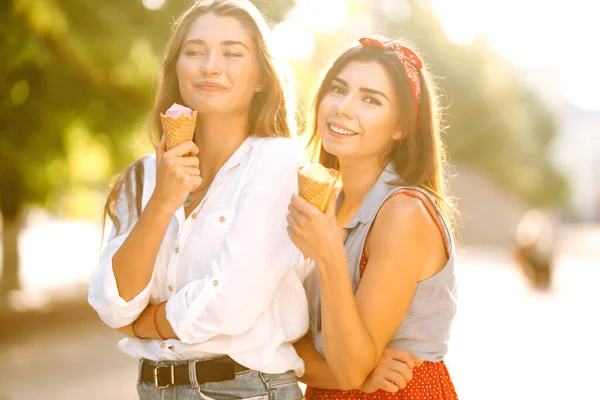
[(80, 77), (495, 123)]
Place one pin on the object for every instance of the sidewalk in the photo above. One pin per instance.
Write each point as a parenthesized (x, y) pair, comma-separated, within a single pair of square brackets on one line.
[(506, 338), (65, 353)]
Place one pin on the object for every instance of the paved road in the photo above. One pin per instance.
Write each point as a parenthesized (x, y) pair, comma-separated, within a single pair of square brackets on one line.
[(512, 342), (508, 342)]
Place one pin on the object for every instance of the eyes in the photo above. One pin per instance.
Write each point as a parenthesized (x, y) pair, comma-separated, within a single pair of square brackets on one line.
[(342, 91), (191, 52), (338, 90)]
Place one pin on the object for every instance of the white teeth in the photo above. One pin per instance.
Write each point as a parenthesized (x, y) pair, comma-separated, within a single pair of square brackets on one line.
[(341, 131)]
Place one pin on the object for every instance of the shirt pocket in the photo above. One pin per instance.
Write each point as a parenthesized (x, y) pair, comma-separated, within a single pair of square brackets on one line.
[(216, 226)]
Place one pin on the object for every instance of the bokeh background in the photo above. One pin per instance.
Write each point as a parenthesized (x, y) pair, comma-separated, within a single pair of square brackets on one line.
[(520, 87)]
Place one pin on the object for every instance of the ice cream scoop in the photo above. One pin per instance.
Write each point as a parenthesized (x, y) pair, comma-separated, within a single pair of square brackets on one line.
[(178, 124), (177, 109), (315, 184)]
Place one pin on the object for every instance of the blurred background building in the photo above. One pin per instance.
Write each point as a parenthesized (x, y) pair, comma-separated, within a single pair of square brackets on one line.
[(519, 84)]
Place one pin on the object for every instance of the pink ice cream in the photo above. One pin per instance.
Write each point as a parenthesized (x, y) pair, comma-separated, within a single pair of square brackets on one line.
[(176, 110)]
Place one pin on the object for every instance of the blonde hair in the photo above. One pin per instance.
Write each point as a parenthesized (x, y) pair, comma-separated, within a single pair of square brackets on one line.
[(271, 111)]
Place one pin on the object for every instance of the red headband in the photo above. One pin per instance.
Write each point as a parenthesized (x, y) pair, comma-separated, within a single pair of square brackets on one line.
[(412, 63)]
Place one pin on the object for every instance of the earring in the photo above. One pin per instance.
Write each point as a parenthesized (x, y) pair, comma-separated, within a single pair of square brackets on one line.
[(259, 88)]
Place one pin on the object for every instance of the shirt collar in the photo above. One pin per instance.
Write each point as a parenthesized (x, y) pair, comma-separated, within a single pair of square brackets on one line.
[(238, 156), (236, 159), (370, 204)]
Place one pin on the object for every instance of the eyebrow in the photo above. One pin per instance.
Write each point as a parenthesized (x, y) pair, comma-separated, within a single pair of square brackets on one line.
[(362, 89), (223, 43)]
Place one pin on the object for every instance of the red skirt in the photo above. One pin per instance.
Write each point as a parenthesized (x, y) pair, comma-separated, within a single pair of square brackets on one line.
[(431, 381)]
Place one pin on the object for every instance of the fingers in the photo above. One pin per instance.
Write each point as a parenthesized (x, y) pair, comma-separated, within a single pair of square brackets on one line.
[(194, 182), (395, 380), (189, 164), (299, 217), (291, 234), (380, 382), (303, 206), (184, 149), (400, 369), (190, 161), (401, 355), (188, 176), (181, 165), (190, 171), (332, 205), (390, 387), (292, 224), (418, 362)]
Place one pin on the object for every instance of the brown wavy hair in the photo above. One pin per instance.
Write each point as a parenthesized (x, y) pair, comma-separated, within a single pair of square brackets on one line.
[(420, 157), (271, 111)]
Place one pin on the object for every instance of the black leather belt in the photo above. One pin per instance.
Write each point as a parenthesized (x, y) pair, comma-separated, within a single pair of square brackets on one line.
[(215, 370)]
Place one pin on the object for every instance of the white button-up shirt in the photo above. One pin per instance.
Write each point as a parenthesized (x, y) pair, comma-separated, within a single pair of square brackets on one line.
[(227, 270)]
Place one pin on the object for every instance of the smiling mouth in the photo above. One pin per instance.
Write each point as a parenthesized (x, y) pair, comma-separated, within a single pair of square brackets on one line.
[(341, 131), (210, 86)]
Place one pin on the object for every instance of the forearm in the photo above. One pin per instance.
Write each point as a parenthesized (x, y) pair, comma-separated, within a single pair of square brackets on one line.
[(145, 327), (349, 348), (316, 370), (134, 262)]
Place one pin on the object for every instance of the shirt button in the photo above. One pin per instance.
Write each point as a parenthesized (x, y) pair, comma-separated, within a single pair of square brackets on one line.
[(170, 288), (221, 219), (215, 283), (162, 345), (176, 250), (194, 216)]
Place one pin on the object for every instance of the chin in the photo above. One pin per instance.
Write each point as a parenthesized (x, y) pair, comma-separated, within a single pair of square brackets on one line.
[(336, 149), (213, 107)]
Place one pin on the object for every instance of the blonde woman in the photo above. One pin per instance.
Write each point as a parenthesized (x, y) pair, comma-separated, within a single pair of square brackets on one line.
[(198, 271)]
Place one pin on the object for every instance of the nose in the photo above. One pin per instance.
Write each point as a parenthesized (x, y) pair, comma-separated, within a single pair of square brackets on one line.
[(211, 67), (345, 108)]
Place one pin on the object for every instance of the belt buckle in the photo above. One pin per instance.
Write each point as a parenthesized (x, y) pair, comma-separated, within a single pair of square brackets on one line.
[(156, 385)]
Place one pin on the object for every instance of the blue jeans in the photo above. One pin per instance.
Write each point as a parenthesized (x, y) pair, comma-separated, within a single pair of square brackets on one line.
[(248, 385)]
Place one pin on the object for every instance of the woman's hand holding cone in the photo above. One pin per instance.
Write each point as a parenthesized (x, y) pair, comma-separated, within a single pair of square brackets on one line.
[(315, 233), (177, 174)]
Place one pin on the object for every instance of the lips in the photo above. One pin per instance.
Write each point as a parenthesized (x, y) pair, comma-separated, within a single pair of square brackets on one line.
[(340, 130), (210, 86)]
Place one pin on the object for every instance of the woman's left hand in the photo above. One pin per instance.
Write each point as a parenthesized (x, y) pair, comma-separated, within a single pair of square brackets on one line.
[(316, 234)]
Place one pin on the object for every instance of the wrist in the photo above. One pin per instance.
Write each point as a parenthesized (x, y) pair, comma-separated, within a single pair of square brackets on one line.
[(155, 319), (134, 330), (334, 262), (159, 208), (143, 325)]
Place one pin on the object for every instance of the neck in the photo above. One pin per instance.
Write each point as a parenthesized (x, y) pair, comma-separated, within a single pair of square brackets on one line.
[(217, 138), (358, 177)]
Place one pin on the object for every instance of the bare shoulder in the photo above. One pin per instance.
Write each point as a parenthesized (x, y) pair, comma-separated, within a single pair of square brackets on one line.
[(405, 218), (404, 209)]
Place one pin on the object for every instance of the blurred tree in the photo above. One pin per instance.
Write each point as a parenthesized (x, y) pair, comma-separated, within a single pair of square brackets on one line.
[(495, 122), (78, 80)]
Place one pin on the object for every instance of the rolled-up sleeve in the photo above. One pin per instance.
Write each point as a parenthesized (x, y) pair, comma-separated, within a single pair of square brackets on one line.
[(103, 294), (255, 256)]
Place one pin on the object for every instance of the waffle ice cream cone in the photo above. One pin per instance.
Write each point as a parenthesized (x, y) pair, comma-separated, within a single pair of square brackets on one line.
[(178, 129), (316, 183)]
